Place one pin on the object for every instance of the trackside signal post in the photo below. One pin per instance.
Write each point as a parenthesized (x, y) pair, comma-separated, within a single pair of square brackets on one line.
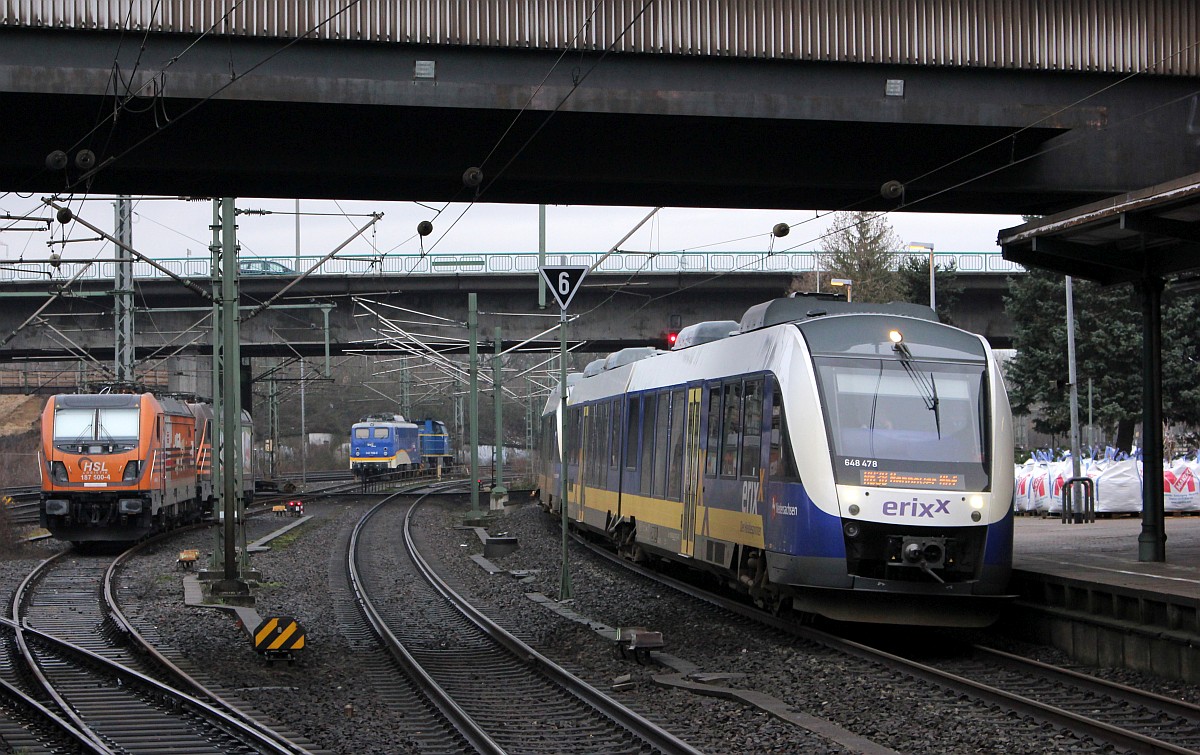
[(563, 281)]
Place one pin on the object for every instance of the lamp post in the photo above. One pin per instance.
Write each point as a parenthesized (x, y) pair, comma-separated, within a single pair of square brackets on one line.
[(843, 282), (929, 247)]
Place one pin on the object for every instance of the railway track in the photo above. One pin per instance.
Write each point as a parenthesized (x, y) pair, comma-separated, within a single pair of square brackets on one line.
[(497, 693), (76, 654), (1115, 717)]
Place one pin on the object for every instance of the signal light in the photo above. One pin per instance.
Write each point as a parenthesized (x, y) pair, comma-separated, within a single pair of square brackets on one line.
[(672, 337)]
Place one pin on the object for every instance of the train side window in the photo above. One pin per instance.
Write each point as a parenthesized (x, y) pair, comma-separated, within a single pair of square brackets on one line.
[(731, 428), (679, 408), (597, 434), (550, 437), (714, 431), (752, 430), (614, 446), (649, 402), (585, 429), (661, 449), (782, 464), (631, 432)]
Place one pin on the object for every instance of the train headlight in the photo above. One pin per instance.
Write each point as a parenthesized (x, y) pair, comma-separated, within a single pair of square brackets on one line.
[(852, 530), (130, 506), (55, 507), (895, 336), (58, 471), (977, 502), (853, 509), (976, 516)]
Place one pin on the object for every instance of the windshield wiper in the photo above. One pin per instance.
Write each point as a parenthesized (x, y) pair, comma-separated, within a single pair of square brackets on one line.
[(927, 388)]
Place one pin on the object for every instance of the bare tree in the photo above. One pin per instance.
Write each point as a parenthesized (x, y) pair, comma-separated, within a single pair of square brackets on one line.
[(862, 248)]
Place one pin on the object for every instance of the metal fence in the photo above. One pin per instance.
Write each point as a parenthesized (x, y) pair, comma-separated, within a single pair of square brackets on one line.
[(646, 263)]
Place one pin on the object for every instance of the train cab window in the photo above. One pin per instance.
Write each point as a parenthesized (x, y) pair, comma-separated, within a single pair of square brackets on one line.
[(731, 428), (650, 403), (752, 429), (362, 433), (714, 432), (117, 424), (783, 466)]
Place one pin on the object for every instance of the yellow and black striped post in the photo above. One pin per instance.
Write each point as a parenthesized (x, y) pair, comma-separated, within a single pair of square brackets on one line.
[(280, 634)]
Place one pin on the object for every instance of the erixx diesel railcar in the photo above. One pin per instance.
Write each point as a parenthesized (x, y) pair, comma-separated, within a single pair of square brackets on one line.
[(117, 467), (847, 460)]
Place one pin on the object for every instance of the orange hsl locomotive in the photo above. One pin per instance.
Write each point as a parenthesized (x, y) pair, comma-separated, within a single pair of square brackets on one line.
[(120, 466)]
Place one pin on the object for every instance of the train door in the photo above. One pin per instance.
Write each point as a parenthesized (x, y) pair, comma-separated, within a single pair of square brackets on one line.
[(586, 450), (693, 472)]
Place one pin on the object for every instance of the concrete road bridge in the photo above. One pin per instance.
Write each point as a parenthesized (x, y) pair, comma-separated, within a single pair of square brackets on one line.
[(994, 106), (406, 304)]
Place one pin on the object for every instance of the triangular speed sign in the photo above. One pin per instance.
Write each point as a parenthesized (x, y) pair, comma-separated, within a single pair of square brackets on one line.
[(563, 281)]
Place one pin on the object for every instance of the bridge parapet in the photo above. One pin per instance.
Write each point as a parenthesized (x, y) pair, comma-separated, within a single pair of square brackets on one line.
[(1070, 35), (384, 265)]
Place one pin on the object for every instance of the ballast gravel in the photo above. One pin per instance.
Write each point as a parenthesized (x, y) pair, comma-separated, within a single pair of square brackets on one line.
[(330, 693)]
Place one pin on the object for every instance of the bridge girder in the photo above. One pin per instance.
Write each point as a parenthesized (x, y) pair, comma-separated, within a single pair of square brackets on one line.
[(613, 313), (349, 120)]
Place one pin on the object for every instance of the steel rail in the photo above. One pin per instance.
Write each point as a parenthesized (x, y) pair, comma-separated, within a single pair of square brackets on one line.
[(454, 713), (1081, 725), (126, 627), (641, 727)]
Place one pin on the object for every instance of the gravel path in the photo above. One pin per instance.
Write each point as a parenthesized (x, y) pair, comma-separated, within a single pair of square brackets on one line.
[(330, 693)]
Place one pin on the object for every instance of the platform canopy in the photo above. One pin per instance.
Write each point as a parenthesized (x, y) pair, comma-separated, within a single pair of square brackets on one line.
[(1147, 238), (1153, 233)]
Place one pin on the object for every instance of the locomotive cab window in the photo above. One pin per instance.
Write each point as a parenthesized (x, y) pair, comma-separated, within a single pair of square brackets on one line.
[(380, 433)]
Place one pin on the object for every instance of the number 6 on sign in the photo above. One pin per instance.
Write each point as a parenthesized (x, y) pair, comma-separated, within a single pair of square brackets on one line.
[(563, 281)]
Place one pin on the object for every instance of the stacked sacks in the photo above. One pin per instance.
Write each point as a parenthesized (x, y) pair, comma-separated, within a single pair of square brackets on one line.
[(1117, 479), (1180, 489)]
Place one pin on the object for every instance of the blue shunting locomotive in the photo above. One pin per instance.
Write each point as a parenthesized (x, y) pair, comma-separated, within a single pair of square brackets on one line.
[(386, 443)]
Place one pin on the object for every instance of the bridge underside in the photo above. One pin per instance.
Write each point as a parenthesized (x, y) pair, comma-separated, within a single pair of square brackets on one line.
[(244, 117)]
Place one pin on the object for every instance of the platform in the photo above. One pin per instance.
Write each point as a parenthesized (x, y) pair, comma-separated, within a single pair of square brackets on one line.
[(1084, 591), (1106, 551)]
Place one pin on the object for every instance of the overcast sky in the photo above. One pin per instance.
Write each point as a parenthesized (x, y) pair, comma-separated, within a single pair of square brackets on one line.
[(167, 228)]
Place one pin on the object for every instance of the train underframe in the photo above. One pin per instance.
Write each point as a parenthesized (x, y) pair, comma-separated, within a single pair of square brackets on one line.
[(114, 517), (874, 584)]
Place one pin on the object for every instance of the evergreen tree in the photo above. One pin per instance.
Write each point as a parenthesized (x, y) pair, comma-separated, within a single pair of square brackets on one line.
[(862, 247), (1108, 350), (914, 272)]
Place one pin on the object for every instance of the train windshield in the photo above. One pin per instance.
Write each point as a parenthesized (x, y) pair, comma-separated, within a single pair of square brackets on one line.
[(371, 433), (106, 425), (906, 423)]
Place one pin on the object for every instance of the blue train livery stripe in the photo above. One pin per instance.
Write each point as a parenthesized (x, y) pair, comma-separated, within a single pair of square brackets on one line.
[(796, 526)]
